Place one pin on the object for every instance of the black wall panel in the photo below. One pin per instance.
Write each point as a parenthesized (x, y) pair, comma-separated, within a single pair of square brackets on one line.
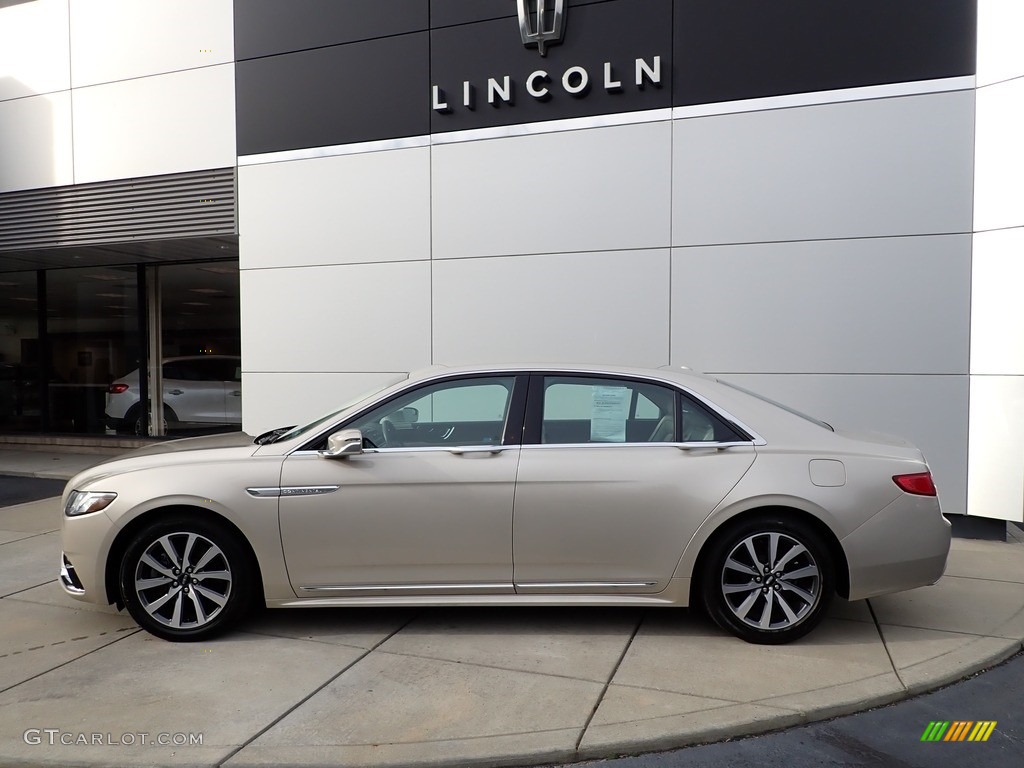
[(266, 27), (445, 13), (740, 49), (324, 72), (617, 32), (346, 93)]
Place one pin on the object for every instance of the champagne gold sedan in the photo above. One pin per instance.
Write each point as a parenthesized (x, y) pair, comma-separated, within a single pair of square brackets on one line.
[(500, 485)]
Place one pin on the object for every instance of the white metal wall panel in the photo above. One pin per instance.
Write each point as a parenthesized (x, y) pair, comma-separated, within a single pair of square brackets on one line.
[(1000, 54), (999, 166), (34, 52), (372, 207), (996, 458), (354, 317), (997, 306), (607, 307), (275, 399), (884, 167), (599, 189), (154, 125), (36, 135), (930, 411), (121, 39), (838, 306)]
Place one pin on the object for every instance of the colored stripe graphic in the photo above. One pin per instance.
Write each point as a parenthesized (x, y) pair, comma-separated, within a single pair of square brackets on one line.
[(959, 730)]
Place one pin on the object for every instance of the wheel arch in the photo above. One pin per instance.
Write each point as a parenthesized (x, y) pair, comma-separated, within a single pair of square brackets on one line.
[(827, 535), (124, 537)]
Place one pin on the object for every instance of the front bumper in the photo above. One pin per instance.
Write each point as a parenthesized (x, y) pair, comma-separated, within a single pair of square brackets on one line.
[(902, 547)]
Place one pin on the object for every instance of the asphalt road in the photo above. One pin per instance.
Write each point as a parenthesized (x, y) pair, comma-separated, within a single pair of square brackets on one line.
[(889, 737), (18, 490)]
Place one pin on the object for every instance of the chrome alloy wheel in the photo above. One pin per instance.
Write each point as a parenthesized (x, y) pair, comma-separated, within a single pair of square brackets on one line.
[(770, 581), (183, 580)]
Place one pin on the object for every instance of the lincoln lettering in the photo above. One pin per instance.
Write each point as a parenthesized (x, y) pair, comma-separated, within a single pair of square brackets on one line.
[(575, 81)]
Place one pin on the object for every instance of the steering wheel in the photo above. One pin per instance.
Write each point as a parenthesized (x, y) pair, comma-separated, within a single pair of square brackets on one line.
[(390, 431)]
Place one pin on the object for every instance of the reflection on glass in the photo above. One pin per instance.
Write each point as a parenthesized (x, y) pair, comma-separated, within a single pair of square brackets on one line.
[(92, 335), (19, 353), (200, 336)]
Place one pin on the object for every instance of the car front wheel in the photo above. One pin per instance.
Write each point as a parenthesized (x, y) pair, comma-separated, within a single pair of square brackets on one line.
[(768, 580), (186, 579)]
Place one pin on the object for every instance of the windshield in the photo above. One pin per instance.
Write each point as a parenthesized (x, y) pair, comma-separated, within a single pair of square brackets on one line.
[(326, 418), (777, 404)]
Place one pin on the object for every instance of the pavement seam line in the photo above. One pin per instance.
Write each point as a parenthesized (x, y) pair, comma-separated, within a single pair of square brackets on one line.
[(480, 665), (26, 589), (881, 636), (71, 661), (608, 682), (27, 536), (313, 693)]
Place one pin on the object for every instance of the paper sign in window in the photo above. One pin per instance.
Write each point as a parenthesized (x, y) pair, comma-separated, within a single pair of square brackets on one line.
[(608, 410)]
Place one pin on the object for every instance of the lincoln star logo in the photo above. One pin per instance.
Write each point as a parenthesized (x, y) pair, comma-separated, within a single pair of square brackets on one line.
[(541, 27)]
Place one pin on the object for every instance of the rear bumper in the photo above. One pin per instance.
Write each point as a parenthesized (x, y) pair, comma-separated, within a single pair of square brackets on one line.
[(902, 547)]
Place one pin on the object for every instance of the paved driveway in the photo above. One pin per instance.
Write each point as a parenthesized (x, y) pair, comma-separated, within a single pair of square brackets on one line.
[(81, 685)]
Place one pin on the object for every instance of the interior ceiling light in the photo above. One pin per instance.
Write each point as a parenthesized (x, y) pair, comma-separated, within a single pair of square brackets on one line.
[(111, 295), (5, 284), (206, 290), (24, 298), (220, 270), (107, 278), (195, 303)]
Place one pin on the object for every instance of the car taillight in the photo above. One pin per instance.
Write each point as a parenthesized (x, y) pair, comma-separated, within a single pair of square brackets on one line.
[(117, 389), (919, 483)]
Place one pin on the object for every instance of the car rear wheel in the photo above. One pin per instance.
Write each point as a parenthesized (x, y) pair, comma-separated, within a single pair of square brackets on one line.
[(186, 579), (133, 421), (768, 580)]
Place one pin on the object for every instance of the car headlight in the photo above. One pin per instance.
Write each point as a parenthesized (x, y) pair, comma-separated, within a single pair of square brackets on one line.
[(84, 502)]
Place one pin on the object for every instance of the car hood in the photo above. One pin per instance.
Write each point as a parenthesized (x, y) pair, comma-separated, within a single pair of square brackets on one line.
[(191, 450), (228, 440)]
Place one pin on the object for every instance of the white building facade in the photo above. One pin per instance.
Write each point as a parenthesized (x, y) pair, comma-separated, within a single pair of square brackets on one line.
[(818, 200)]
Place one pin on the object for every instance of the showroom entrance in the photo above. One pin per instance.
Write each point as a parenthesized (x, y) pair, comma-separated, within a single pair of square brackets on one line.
[(79, 349)]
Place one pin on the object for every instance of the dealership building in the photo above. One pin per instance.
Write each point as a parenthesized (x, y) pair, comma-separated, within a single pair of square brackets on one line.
[(819, 200)]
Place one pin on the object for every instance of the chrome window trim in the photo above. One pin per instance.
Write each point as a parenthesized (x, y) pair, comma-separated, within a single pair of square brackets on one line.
[(684, 446), (442, 375)]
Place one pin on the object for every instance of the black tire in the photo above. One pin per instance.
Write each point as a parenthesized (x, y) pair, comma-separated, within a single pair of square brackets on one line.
[(169, 599), (775, 605), (132, 423)]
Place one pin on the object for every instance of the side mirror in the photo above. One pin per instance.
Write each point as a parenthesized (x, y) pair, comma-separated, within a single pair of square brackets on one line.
[(340, 445)]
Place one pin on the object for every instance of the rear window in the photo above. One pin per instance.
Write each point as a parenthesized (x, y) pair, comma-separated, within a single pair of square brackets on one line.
[(786, 408)]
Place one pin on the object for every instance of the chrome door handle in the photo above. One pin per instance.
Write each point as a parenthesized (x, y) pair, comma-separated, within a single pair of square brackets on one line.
[(463, 449), (175, 391)]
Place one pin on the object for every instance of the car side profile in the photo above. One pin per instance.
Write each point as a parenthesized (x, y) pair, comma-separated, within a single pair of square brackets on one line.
[(198, 391), (512, 485)]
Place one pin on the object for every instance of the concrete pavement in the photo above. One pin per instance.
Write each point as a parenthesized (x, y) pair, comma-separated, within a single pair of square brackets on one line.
[(374, 687)]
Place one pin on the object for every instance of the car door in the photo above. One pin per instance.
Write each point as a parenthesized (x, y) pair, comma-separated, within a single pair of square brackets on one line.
[(614, 478), (426, 508), (194, 390)]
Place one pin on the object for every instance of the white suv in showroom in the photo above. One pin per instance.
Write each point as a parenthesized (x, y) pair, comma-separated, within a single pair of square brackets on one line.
[(201, 391)]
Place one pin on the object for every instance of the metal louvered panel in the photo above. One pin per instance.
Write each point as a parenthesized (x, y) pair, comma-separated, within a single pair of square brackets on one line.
[(194, 204)]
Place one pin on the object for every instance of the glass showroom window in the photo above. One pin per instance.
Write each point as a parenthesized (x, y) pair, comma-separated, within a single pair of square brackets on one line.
[(20, 409), (92, 336)]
